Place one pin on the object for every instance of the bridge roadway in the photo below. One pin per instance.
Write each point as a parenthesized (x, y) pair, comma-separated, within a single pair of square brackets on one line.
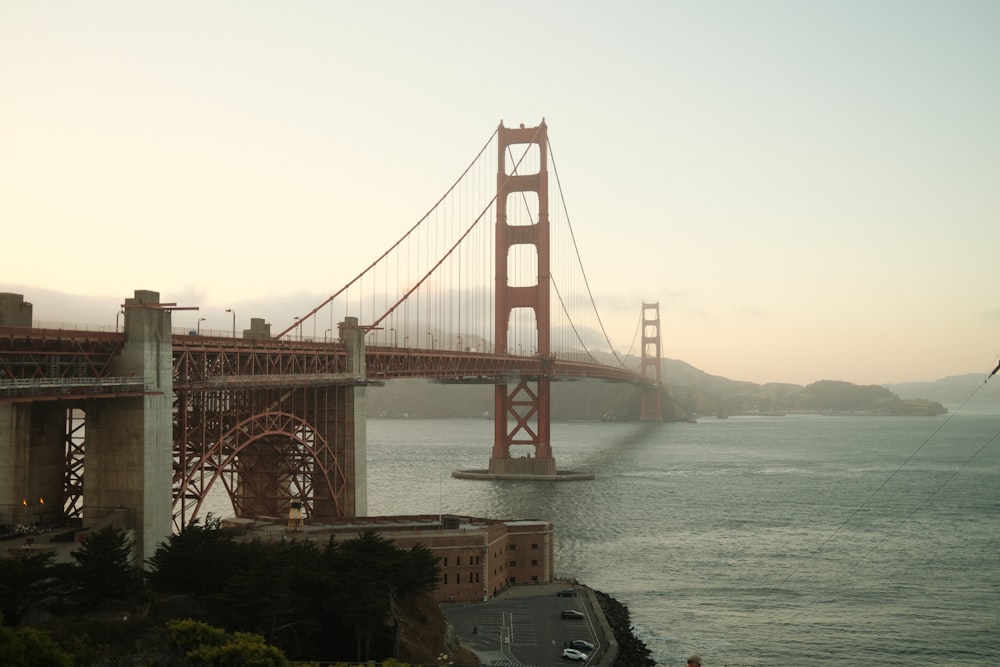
[(523, 627), (36, 364)]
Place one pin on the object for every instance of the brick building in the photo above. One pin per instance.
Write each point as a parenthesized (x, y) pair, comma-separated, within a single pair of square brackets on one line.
[(478, 558)]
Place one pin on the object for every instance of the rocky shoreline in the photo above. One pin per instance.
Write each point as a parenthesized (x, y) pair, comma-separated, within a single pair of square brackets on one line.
[(632, 652)]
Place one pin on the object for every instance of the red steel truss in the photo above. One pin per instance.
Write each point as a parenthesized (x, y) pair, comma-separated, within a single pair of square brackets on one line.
[(254, 418)]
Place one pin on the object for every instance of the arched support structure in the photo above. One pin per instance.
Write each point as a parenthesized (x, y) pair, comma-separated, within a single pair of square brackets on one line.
[(295, 433), (264, 462)]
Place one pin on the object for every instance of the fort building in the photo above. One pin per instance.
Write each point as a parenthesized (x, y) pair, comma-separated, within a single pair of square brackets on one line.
[(478, 558)]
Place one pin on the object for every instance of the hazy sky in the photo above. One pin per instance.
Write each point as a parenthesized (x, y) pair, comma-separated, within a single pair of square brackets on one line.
[(811, 190)]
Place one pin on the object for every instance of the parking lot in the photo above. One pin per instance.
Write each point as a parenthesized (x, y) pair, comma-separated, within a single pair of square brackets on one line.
[(525, 626)]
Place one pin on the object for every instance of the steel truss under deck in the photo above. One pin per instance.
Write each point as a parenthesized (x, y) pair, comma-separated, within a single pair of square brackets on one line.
[(245, 416)]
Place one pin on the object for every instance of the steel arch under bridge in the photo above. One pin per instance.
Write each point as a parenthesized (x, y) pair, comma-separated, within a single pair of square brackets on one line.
[(269, 421)]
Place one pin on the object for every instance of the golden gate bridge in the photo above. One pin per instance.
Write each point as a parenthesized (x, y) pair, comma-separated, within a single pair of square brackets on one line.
[(487, 287)]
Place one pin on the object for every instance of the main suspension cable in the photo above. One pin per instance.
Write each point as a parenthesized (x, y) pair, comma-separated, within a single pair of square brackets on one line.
[(397, 243), (576, 249)]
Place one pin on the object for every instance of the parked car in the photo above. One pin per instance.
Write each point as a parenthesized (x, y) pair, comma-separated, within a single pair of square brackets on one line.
[(581, 645), (567, 593), (572, 613), (573, 654)]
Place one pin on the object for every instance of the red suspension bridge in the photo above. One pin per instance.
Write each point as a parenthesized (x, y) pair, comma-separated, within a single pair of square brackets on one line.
[(487, 287), (469, 293)]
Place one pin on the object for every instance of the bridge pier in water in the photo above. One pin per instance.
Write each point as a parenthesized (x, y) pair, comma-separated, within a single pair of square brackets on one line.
[(522, 417)]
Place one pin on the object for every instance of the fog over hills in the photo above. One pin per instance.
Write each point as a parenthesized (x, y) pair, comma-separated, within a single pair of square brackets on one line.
[(54, 309)]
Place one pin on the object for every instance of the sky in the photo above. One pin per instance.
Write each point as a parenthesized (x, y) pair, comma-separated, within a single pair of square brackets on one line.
[(810, 190)]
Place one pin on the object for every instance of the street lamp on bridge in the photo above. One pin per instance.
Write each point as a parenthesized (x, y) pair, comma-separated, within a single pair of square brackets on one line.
[(117, 315), (325, 333), (231, 310), (430, 339), (394, 339), (200, 320)]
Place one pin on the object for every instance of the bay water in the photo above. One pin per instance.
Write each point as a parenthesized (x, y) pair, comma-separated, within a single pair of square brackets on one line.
[(785, 540)]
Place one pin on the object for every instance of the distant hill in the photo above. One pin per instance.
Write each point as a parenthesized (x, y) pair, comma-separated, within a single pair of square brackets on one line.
[(954, 390), (694, 392), (690, 393)]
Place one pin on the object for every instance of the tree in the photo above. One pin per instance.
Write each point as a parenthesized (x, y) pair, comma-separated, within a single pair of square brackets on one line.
[(197, 561), (304, 599), (275, 594), (104, 568), (27, 647), (202, 644), (378, 573), (25, 581)]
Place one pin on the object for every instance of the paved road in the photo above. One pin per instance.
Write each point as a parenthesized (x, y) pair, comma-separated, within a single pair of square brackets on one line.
[(523, 627)]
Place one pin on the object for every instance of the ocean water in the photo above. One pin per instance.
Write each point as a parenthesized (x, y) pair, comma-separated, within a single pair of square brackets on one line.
[(798, 540)]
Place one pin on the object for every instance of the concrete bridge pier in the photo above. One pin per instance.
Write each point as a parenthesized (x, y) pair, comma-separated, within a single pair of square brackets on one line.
[(32, 463), (341, 420), (32, 445), (128, 457)]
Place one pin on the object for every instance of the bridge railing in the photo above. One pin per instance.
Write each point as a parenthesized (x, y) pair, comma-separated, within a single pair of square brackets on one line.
[(118, 327), (72, 385)]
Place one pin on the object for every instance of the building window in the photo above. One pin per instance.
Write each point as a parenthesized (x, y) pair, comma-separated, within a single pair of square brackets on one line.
[(513, 547), (458, 560), (534, 562), (513, 563), (458, 577), (446, 561), (534, 546), (445, 578)]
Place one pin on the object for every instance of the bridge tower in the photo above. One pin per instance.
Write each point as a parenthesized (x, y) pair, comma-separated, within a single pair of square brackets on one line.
[(522, 408), (650, 365)]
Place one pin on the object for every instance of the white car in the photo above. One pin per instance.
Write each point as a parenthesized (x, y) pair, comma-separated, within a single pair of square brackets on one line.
[(573, 654)]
